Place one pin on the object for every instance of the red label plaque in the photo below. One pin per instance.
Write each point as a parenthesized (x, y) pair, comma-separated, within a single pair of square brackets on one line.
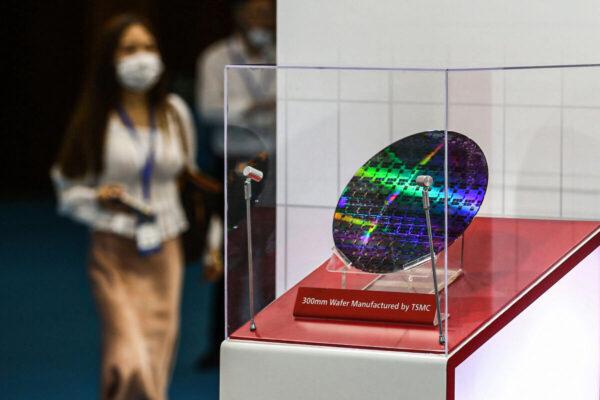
[(365, 305)]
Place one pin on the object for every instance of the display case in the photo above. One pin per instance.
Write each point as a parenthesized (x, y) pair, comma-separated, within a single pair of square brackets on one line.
[(339, 215)]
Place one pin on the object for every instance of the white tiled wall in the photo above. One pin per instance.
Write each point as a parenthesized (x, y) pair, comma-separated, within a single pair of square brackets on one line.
[(540, 130), (329, 124), (532, 169), (307, 246), (418, 87), (541, 140), (437, 33), (533, 87), (365, 129), (581, 88), (581, 170), (485, 125), (412, 118), (365, 85), (311, 140)]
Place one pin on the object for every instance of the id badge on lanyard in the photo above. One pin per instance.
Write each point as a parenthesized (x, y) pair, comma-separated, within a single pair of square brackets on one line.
[(147, 233)]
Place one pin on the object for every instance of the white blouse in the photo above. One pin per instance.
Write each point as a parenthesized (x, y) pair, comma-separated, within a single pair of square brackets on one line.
[(124, 157)]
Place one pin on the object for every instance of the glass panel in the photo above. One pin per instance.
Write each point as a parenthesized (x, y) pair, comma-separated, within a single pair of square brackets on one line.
[(250, 142), (536, 128), (516, 185), (320, 127)]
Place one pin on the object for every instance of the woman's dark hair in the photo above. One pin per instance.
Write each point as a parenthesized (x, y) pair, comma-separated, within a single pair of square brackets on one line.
[(82, 151)]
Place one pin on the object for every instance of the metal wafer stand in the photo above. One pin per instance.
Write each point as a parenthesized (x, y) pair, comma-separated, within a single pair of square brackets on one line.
[(251, 174), (248, 196), (426, 181)]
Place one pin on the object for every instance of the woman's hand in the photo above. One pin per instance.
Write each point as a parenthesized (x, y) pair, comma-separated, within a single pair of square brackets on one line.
[(109, 197), (213, 266)]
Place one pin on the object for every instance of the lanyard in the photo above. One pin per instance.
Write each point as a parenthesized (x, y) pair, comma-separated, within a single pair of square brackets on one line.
[(148, 168)]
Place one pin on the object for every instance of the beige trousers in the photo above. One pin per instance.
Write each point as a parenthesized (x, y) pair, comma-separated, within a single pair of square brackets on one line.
[(138, 301)]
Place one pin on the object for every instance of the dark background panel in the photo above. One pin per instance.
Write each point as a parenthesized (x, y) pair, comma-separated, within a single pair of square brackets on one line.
[(50, 339), (44, 62)]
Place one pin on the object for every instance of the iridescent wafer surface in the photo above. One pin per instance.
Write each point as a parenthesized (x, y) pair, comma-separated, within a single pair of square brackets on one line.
[(379, 222)]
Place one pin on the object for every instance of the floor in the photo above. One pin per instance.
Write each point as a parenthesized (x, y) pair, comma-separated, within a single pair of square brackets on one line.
[(49, 339)]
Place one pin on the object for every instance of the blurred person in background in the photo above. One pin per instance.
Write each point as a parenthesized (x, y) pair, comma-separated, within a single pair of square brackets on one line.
[(127, 143), (252, 42), (251, 120)]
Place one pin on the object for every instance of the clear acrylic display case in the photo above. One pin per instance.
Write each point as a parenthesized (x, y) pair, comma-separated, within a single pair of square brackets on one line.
[(310, 128)]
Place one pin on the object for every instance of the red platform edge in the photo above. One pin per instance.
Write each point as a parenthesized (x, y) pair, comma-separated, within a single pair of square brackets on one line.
[(536, 290)]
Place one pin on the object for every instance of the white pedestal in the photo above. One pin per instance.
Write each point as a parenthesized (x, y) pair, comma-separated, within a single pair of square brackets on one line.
[(545, 345)]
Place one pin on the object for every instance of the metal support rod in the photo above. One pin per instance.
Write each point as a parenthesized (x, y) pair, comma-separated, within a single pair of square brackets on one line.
[(462, 250), (248, 196), (426, 207)]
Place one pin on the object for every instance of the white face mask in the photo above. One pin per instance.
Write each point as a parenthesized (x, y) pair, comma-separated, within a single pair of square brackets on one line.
[(259, 37), (140, 71)]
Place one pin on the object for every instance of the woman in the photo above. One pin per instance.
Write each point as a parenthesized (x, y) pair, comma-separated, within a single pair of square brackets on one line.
[(116, 172)]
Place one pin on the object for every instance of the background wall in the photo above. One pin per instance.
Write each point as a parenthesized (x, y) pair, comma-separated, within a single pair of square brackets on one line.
[(50, 341), (537, 128), (438, 33)]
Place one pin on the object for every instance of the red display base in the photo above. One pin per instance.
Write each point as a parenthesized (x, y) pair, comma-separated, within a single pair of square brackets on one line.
[(507, 264)]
